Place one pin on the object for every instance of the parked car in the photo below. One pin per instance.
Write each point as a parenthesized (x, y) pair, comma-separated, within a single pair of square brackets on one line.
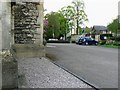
[(86, 41), (77, 40), (52, 39)]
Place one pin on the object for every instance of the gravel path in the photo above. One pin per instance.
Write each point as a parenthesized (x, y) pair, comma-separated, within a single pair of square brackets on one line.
[(41, 73)]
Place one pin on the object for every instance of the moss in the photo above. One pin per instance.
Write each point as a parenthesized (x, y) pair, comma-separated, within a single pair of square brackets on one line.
[(51, 56), (9, 73)]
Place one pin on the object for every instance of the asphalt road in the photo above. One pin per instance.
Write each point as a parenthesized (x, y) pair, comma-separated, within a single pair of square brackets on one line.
[(97, 65)]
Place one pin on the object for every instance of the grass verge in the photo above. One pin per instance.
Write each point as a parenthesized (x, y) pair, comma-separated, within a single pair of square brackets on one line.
[(109, 46)]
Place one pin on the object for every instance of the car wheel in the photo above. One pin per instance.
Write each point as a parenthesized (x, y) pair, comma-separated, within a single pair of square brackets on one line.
[(96, 43), (86, 43)]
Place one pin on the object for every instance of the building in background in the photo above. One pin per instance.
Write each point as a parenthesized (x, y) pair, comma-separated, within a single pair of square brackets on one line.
[(100, 32)]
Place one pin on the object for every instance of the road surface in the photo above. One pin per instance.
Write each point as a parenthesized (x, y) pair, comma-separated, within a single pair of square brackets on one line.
[(97, 65)]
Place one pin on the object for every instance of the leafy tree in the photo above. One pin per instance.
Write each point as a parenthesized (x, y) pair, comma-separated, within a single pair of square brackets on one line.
[(56, 25), (53, 24), (114, 26), (61, 22), (79, 13), (87, 30), (74, 13), (68, 13)]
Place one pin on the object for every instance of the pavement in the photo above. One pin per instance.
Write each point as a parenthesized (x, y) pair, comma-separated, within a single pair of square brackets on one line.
[(42, 73)]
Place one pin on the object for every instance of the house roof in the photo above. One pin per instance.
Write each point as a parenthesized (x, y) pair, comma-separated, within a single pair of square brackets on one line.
[(99, 28)]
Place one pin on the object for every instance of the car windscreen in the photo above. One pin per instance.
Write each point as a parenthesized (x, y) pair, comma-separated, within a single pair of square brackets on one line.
[(89, 39)]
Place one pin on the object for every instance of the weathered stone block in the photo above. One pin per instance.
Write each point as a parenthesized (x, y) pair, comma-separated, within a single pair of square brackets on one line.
[(27, 51)]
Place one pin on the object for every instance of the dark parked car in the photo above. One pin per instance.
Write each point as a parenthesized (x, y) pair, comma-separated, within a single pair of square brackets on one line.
[(86, 41)]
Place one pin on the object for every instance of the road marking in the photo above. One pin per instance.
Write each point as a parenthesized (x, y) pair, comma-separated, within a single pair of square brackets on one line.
[(51, 46)]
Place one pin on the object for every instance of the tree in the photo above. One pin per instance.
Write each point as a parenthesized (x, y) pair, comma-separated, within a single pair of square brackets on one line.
[(56, 25), (74, 13), (68, 13), (79, 13), (62, 21), (53, 25), (114, 26)]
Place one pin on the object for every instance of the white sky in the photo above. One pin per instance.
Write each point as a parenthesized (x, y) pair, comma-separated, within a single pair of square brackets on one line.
[(100, 12)]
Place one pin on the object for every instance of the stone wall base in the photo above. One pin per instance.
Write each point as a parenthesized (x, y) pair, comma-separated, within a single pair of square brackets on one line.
[(27, 51)]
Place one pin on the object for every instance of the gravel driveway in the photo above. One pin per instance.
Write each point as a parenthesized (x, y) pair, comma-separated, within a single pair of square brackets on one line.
[(41, 73)]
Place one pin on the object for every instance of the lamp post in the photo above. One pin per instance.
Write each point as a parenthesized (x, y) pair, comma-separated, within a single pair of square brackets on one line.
[(53, 34), (53, 31), (66, 30), (77, 29)]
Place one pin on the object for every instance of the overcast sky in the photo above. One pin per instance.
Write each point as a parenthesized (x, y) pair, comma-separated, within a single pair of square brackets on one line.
[(100, 12)]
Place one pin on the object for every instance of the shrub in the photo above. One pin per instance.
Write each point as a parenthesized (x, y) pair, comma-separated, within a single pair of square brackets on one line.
[(102, 42), (117, 38), (109, 43), (116, 43)]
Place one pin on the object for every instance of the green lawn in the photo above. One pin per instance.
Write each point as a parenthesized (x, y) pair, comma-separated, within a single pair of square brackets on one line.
[(109, 46)]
